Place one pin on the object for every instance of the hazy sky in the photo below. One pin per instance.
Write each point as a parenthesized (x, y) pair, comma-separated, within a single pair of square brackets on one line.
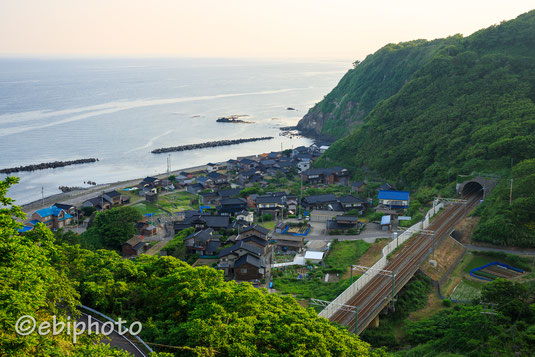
[(346, 29)]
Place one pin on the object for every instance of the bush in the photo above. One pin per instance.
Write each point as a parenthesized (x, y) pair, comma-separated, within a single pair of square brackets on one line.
[(446, 302)]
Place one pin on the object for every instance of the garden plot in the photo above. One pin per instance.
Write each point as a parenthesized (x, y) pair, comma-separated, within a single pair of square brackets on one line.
[(466, 290)]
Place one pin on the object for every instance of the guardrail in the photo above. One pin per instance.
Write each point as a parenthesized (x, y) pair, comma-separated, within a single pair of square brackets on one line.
[(145, 353)]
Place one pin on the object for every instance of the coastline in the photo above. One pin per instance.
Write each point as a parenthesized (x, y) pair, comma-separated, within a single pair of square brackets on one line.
[(78, 196)]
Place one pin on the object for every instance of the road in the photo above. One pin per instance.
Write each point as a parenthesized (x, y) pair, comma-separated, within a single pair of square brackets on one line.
[(375, 295), (115, 340), (504, 250)]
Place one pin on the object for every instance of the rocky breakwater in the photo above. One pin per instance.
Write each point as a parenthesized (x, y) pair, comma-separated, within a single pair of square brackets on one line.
[(46, 165), (209, 144)]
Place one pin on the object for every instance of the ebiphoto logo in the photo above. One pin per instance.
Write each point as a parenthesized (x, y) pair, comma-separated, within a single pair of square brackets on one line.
[(27, 325)]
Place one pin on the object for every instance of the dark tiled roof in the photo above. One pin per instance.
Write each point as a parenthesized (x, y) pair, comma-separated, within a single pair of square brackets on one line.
[(350, 199), (214, 175), (257, 240), (233, 201), (258, 228), (248, 258), (320, 198), (241, 245), (112, 193), (63, 206), (229, 193), (134, 241), (201, 236), (268, 199), (357, 184)]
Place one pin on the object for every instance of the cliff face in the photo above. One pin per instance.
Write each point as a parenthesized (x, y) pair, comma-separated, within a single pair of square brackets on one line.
[(378, 77)]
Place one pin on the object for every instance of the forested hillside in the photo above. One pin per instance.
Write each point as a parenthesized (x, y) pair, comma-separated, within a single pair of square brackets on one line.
[(471, 107), (378, 77)]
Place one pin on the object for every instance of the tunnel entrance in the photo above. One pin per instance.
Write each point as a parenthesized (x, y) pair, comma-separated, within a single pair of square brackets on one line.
[(472, 188)]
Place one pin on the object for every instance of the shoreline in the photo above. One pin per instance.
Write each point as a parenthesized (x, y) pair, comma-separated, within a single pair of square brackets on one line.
[(79, 195)]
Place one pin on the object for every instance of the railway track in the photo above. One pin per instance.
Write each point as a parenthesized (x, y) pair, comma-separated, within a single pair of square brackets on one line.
[(373, 297)]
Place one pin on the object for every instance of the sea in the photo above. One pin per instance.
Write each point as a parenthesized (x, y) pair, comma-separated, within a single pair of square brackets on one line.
[(118, 110)]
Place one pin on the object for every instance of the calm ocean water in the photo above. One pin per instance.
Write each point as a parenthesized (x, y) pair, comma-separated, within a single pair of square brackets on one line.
[(118, 110)]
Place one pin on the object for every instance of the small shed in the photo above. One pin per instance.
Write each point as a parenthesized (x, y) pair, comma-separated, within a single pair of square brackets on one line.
[(313, 257), (386, 223)]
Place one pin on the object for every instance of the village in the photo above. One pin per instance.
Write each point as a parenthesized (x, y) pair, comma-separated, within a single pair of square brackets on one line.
[(246, 216)]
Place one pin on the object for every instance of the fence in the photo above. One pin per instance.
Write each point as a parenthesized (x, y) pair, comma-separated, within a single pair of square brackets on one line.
[(365, 278)]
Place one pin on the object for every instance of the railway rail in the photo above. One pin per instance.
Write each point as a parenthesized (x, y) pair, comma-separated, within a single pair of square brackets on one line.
[(372, 298)]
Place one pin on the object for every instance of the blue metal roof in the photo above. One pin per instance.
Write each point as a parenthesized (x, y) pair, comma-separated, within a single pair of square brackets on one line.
[(394, 195), (25, 229), (49, 211)]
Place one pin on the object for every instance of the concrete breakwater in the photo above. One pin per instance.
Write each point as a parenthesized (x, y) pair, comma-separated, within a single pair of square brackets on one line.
[(209, 144), (46, 165)]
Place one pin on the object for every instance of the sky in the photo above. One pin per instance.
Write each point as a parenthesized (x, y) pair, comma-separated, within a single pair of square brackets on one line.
[(313, 29)]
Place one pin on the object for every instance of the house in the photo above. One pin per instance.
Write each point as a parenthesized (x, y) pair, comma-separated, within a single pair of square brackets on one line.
[(318, 201), (385, 187), (349, 202), (70, 209), (229, 255), (151, 182), (303, 165), (358, 186), (113, 197), (290, 243), (134, 247), (342, 223), (205, 181), (195, 188), (203, 221), (228, 193), (266, 164), (258, 242), (249, 268), (394, 199), (246, 216), (247, 164), (217, 178), (323, 148), (299, 150), (231, 206), (52, 217), (203, 242), (209, 198), (98, 202), (274, 155), (232, 164), (255, 230), (270, 204)]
